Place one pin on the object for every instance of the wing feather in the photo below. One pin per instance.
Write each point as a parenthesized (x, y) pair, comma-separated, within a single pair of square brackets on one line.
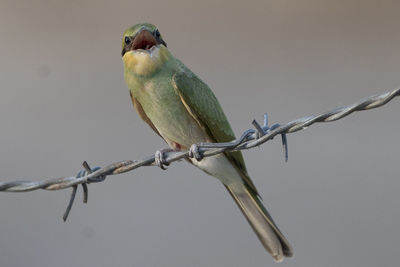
[(204, 107)]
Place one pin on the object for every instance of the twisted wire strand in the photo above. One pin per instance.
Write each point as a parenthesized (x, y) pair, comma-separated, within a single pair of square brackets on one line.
[(249, 139)]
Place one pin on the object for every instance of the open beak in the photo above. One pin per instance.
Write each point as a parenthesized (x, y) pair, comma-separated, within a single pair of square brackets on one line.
[(144, 41)]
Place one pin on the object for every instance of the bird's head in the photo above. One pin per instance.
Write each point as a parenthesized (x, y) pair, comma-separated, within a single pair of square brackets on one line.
[(143, 49)]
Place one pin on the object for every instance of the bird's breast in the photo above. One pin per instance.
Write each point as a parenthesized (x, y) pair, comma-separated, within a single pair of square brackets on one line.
[(169, 115)]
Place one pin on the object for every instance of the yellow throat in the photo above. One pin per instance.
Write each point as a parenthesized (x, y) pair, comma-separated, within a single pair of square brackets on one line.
[(141, 62)]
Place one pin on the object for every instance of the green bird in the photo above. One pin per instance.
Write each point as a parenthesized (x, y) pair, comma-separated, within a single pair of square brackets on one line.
[(183, 111)]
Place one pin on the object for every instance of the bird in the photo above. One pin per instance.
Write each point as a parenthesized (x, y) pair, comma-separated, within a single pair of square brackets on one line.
[(183, 111)]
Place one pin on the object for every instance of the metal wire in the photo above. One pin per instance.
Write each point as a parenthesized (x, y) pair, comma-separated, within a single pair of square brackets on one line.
[(249, 139)]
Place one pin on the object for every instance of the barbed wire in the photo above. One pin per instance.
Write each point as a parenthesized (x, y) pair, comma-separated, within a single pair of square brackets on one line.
[(249, 139)]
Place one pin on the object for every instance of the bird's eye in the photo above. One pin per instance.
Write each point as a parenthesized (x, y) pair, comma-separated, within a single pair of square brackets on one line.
[(127, 40), (158, 33)]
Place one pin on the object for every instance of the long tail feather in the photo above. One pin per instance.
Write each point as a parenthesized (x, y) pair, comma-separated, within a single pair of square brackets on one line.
[(261, 222)]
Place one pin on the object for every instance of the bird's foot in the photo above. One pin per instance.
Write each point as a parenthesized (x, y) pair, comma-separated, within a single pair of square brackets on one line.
[(195, 153), (159, 159)]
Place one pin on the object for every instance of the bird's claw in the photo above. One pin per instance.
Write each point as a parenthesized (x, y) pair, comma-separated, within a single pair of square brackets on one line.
[(159, 159), (195, 153)]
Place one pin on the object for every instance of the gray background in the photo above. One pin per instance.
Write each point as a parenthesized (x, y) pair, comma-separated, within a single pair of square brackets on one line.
[(63, 100)]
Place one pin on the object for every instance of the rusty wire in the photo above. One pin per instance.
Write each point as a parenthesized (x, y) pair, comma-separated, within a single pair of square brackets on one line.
[(249, 139)]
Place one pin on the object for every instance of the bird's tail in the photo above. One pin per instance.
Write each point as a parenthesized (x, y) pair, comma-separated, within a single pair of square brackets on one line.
[(261, 222)]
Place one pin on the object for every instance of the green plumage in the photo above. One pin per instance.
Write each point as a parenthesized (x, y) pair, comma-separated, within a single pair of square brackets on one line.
[(183, 110), (206, 107)]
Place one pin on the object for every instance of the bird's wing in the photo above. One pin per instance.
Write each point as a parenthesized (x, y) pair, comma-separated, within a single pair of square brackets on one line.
[(202, 104), (139, 109)]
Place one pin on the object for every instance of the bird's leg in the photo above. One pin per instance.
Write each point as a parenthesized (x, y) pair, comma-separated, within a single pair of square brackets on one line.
[(195, 153), (159, 158)]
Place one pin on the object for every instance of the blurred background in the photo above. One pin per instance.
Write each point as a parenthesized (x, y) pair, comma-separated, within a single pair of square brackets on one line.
[(63, 100)]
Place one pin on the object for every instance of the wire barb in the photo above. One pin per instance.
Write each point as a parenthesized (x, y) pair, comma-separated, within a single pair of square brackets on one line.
[(84, 185), (249, 139), (261, 131), (80, 174)]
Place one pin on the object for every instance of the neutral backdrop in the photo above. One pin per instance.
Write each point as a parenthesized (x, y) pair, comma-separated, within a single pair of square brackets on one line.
[(63, 100)]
